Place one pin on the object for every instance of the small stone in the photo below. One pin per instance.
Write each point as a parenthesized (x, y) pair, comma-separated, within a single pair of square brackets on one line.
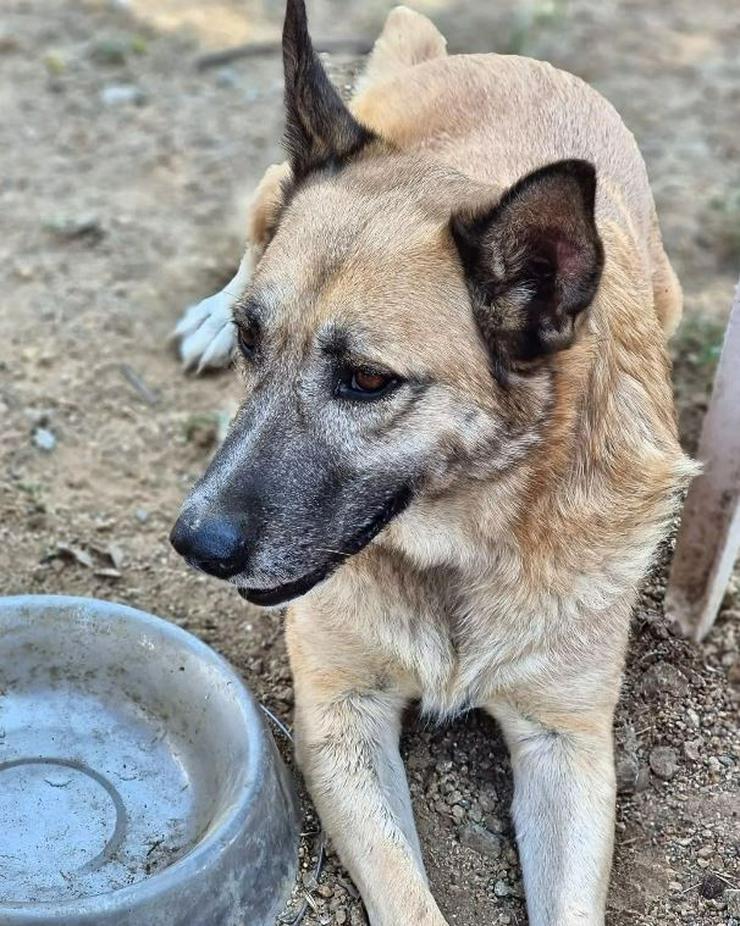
[(712, 887), (72, 227), (24, 269), (501, 889), (458, 813), (142, 515), (44, 439), (481, 840), (705, 852), (675, 887), (664, 762), (693, 718), (627, 769), (121, 94), (643, 780), (488, 799), (284, 694), (733, 903), (493, 823), (475, 813), (692, 750), (663, 678), (340, 915)]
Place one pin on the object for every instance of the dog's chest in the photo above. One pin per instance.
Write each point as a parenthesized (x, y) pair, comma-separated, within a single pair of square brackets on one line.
[(456, 657)]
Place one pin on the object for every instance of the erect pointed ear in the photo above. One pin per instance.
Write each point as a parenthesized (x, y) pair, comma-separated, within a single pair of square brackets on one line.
[(320, 129), (533, 261)]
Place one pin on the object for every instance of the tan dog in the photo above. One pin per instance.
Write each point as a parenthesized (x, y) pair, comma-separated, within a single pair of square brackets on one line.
[(453, 322)]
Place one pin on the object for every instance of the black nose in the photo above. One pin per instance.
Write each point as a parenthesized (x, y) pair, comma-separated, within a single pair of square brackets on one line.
[(213, 543)]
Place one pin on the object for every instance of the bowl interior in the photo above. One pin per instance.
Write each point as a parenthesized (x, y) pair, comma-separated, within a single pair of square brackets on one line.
[(123, 743)]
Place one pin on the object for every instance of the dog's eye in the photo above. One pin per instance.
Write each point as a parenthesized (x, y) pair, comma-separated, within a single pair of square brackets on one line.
[(368, 382), (247, 339), (364, 385)]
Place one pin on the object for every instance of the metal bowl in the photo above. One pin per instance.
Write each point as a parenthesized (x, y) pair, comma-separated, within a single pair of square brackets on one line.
[(138, 784)]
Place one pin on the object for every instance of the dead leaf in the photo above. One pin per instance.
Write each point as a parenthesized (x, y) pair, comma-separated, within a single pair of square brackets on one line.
[(68, 552)]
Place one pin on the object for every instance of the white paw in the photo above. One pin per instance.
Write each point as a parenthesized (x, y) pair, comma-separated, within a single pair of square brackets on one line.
[(206, 332)]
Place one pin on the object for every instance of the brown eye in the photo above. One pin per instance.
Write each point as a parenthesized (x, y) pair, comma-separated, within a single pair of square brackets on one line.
[(247, 337), (368, 382), (365, 385)]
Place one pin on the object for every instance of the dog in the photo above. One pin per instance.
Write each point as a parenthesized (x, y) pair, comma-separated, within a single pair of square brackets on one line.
[(458, 451)]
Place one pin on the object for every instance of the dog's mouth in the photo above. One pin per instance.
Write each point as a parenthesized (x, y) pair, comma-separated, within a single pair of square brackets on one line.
[(281, 594), (270, 597)]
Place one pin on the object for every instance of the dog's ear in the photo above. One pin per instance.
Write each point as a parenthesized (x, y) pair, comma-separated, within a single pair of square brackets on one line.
[(320, 129), (533, 261)]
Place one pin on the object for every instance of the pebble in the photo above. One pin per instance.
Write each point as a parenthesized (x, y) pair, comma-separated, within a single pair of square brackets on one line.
[(488, 799), (643, 779), (627, 769), (501, 889), (142, 515), (121, 94), (663, 678), (692, 750), (44, 439), (481, 840), (493, 823), (664, 762), (733, 903), (72, 227), (712, 887)]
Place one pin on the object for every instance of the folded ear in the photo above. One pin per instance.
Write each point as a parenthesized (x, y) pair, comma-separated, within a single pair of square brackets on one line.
[(320, 129), (533, 261)]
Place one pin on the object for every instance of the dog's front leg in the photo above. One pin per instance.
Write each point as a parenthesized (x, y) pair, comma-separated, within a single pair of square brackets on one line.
[(347, 746), (564, 794)]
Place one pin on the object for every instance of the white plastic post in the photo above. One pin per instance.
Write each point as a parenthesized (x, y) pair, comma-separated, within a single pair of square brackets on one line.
[(709, 539)]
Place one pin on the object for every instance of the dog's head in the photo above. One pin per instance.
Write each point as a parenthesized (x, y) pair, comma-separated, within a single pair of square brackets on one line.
[(392, 338)]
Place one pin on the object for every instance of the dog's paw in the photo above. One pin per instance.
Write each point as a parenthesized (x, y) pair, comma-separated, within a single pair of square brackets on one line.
[(206, 332)]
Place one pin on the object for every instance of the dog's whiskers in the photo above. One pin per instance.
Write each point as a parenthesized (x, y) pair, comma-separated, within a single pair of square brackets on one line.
[(335, 552)]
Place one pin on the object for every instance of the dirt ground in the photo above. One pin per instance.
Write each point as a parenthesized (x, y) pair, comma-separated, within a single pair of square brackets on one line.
[(120, 163)]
